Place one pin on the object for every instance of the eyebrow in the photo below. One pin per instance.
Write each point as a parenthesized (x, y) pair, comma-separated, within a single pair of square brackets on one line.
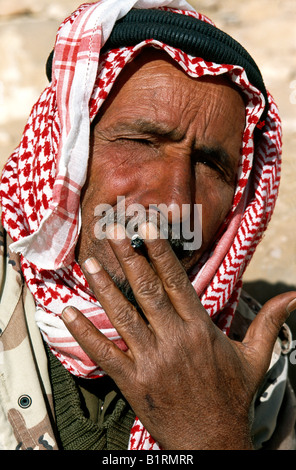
[(150, 127)]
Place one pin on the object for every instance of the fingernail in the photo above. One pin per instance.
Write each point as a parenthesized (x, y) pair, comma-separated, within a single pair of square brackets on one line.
[(92, 266), (148, 231), (291, 306), (69, 314), (115, 232)]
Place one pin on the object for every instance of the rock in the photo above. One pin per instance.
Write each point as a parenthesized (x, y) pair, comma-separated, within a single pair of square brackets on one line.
[(19, 7)]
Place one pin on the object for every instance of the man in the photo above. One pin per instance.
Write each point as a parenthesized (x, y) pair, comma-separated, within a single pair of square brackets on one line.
[(147, 347)]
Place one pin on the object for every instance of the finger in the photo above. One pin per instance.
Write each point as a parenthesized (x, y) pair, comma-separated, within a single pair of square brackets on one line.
[(99, 348), (144, 281), (122, 314), (174, 278), (263, 331)]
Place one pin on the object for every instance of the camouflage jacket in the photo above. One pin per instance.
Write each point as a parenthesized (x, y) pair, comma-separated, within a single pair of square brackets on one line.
[(26, 406)]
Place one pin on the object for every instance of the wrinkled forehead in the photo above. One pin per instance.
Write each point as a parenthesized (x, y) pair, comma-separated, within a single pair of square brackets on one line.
[(153, 90), (191, 39), (148, 59), (113, 62)]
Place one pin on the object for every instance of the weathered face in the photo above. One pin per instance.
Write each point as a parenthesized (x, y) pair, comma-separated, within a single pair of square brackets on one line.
[(163, 137)]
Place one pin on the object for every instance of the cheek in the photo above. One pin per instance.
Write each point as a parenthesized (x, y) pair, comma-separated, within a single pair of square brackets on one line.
[(216, 198), (115, 170)]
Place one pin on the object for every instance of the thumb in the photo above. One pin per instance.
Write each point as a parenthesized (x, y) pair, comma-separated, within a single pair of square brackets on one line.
[(263, 331)]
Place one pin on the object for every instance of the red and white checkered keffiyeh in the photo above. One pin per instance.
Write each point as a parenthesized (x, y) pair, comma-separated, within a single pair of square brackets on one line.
[(43, 178)]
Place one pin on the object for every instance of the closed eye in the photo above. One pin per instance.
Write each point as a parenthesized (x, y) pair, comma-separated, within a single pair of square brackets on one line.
[(135, 140), (142, 141), (218, 160), (210, 164)]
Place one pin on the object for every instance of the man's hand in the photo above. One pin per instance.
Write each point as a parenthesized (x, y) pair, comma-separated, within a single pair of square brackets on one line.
[(188, 383)]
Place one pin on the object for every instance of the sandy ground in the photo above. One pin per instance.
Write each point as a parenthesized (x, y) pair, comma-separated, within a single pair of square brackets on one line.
[(266, 29)]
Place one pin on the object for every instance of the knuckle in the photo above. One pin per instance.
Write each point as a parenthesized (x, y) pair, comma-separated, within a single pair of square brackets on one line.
[(176, 281), (89, 339), (104, 355), (161, 251), (129, 257), (103, 350), (106, 287), (275, 323), (148, 287), (124, 315), (272, 323), (86, 333)]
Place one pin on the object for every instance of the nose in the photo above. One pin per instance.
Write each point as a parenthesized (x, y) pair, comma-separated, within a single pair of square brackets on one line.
[(171, 190)]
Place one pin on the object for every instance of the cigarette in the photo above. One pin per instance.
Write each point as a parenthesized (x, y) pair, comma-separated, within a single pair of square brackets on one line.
[(136, 241)]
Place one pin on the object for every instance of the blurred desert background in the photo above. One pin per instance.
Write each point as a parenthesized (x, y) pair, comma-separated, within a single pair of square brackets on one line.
[(266, 28)]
